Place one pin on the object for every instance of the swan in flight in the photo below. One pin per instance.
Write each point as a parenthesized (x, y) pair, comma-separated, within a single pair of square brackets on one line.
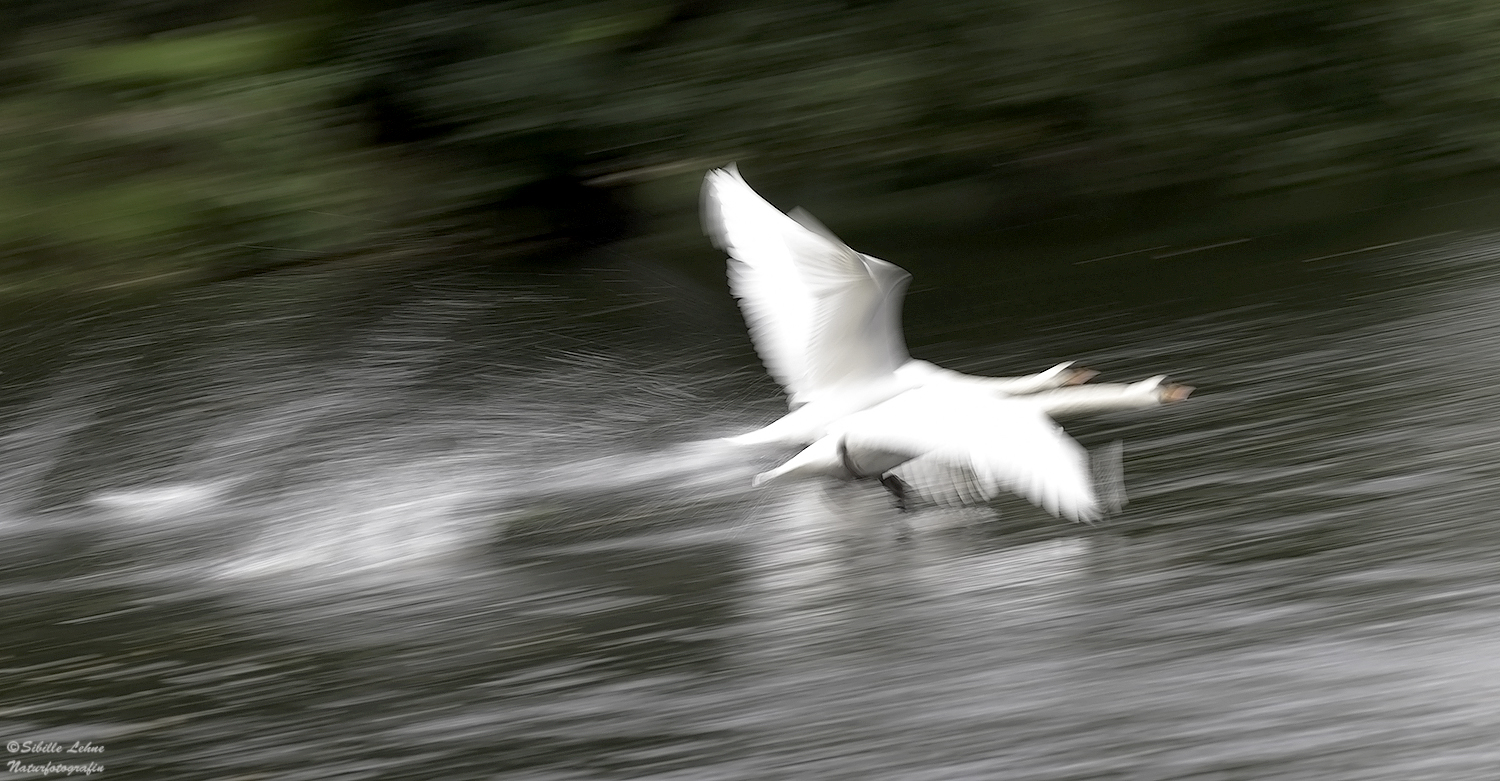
[(826, 321)]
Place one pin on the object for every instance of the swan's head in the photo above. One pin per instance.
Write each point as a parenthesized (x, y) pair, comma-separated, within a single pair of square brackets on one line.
[(1075, 375), (1165, 392), (1174, 391), (1063, 375)]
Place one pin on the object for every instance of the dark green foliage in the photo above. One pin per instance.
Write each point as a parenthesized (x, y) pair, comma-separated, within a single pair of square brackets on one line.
[(251, 134)]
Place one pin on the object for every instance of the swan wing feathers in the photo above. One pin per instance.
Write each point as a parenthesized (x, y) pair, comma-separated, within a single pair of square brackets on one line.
[(968, 446), (820, 314), (941, 483)]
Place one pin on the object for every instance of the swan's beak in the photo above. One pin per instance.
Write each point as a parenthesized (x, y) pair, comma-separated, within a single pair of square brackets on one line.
[(1175, 392), (1079, 375)]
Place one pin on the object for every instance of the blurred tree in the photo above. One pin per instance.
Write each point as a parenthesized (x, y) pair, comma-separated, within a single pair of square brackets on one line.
[(252, 133), (1047, 102)]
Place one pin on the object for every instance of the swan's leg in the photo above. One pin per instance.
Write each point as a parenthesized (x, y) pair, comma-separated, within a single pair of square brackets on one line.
[(898, 489)]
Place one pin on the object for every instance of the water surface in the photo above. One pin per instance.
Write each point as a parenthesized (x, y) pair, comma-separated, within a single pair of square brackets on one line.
[(447, 522)]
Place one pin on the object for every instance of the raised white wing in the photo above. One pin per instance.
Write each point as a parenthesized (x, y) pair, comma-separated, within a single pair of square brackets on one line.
[(820, 314), (964, 446)]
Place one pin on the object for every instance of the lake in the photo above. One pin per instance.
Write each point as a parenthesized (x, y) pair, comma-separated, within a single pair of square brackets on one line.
[(449, 521)]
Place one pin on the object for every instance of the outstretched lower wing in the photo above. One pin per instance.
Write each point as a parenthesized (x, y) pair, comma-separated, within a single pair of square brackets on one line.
[(966, 447)]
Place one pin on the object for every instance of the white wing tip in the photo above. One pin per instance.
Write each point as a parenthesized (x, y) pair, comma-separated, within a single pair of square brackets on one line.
[(710, 201), (729, 174)]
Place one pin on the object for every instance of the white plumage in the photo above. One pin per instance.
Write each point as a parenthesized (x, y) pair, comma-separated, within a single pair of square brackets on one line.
[(823, 317), (977, 444), (826, 321)]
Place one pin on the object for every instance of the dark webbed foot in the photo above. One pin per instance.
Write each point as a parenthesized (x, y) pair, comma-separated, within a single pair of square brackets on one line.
[(898, 489)]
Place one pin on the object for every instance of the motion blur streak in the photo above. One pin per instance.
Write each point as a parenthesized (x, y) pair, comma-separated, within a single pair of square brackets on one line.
[(443, 524)]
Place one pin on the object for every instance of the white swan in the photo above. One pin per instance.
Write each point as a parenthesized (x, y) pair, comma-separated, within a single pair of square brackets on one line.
[(826, 321)]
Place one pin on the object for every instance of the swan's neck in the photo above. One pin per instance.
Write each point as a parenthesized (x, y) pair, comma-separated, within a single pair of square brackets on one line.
[(920, 373), (1084, 399)]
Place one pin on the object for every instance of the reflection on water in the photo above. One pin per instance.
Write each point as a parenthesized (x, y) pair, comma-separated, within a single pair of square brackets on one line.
[(455, 523)]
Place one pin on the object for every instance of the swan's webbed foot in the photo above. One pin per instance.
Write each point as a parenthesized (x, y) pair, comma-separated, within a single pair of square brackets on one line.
[(899, 494), (898, 489)]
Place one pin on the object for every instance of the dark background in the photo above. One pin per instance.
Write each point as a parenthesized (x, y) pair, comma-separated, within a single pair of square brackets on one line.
[(169, 140)]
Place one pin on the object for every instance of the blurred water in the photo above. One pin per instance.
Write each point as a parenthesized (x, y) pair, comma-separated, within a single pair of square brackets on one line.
[(448, 523)]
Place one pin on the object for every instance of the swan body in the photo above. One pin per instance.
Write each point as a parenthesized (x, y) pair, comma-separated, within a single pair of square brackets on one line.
[(826, 322), (811, 420), (975, 441)]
